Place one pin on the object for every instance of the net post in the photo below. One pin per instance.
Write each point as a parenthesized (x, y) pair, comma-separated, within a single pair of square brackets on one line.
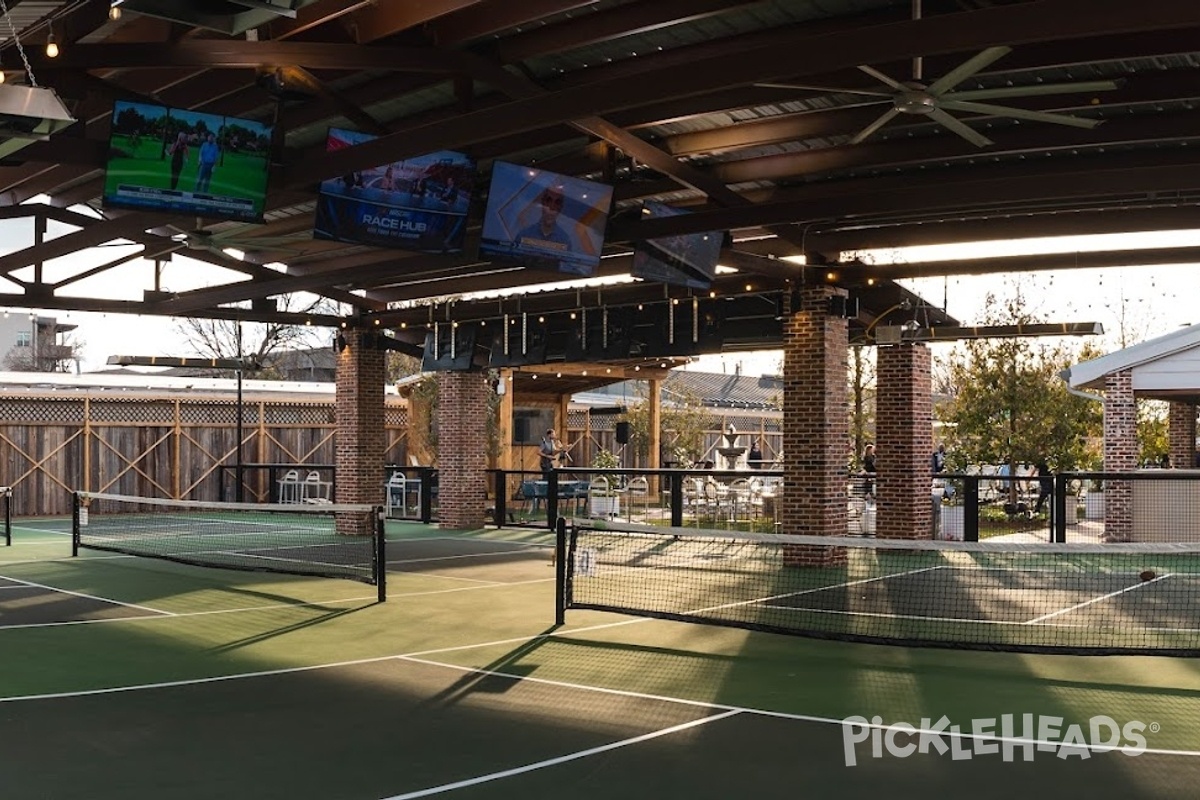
[(971, 508), (551, 498), (380, 555), (8, 516), (677, 500), (560, 571), (74, 524), (500, 487), (1058, 519), (426, 494)]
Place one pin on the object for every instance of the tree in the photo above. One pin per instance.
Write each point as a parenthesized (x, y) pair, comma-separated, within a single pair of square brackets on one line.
[(683, 421), (862, 400), (253, 341), (1010, 406), (1152, 431)]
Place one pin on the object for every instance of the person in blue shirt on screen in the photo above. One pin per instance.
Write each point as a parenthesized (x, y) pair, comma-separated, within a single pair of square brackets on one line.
[(209, 153), (545, 234)]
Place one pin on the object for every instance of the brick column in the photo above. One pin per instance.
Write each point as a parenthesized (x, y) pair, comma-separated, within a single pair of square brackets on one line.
[(358, 458), (904, 441), (1120, 454), (1181, 434), (816, 426), (462, 449)]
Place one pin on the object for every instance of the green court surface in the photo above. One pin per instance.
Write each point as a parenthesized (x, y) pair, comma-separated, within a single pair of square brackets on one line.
[(132, 678)]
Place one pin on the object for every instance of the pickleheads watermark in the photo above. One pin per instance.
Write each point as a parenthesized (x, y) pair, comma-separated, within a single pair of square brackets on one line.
[(1006, 736)]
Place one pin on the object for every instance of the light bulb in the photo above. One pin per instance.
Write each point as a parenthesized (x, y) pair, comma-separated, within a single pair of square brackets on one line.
[(51, 47), (1, 76), (114, 13)]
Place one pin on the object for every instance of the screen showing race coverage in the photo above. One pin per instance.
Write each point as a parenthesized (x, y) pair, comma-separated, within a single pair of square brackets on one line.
[(687, 259), (418, 204), (545, 220), (169, 159)]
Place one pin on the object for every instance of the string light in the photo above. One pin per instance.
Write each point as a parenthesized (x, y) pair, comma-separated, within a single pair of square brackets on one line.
[(114, 11), (51, 46)]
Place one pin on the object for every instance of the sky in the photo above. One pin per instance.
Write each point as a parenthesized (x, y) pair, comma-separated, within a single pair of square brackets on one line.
[(1138, 302), (1132, 302)]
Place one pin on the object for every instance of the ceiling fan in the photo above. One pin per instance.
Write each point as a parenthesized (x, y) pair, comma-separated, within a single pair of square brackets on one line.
[(935, 100)]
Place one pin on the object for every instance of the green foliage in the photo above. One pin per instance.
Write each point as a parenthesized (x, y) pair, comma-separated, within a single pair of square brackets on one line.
[(605, 459), (682, 421), (1010, 406), (862, 400), (1152, 427)]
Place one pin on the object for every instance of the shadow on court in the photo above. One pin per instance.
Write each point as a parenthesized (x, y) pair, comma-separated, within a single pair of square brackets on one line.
[(398, 727)]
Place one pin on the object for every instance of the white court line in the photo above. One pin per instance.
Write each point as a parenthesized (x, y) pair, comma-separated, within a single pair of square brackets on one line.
[(441, 577), (184, 614), (767, 599), (1095, 600), (414, 657), (108, 600), (463, 555), (464, 588), (552, 762)]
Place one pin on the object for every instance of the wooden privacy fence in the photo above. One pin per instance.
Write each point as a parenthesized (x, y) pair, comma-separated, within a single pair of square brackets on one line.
[(168, 447)]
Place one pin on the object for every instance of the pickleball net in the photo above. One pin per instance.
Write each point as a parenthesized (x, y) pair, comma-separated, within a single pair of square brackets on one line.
[(1058, 598), (322, 540)]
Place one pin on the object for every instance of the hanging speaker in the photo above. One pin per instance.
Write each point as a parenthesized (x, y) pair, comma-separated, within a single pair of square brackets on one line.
[(622, 433), (521, 429)]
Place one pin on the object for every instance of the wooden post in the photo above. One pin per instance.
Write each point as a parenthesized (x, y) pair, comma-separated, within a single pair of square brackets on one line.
[(505, 427), (562, 415)]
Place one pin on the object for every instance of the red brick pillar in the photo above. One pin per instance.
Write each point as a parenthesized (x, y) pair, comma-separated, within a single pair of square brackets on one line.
[(1181, 434), (358, 459), (462, 449), (904, 441), (1120, 454), (816, 424)]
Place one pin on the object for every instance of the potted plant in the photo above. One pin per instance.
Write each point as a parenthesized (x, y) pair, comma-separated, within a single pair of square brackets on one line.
[(603, 500)]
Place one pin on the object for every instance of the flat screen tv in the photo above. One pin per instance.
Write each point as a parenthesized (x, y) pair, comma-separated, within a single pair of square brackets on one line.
[(172, 160), (416, 204), (545, 220), (687, 260)]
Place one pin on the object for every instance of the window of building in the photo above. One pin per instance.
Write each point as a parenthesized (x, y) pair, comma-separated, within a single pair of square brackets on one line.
[(24, 338)]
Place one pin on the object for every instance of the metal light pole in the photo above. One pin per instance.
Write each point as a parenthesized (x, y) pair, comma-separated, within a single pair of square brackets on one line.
[(238, 364)]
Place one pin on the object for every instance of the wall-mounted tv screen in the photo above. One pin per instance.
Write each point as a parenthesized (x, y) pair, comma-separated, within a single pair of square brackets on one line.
[(688, 259), (169, 159), (545, 220), (417, 204)]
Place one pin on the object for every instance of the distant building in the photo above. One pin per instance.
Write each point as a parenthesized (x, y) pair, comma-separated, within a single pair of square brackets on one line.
[(31, 343)]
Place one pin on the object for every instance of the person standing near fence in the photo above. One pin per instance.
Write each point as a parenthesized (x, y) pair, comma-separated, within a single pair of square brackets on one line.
[(1045, 485), (939, 459), (868, 465)]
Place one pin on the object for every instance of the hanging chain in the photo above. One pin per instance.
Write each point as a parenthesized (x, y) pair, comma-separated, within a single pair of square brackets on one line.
[(17, 39)]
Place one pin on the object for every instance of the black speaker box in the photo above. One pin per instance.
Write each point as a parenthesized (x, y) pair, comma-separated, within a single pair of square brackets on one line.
[(622, 433)]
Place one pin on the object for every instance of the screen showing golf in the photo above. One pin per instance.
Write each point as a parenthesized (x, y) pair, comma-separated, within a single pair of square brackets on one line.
[(169, 159)]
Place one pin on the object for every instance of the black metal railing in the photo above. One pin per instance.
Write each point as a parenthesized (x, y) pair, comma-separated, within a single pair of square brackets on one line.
[(411, 493), (277, 482), (731, 499)]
